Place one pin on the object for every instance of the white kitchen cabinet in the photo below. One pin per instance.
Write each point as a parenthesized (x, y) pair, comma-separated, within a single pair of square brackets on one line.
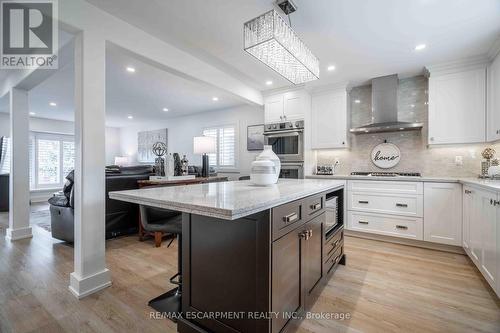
[(329, 120), (287, 106), (481, 232), (294, 104), (493, 114), (273, 107), (457, 107), (443, 213)]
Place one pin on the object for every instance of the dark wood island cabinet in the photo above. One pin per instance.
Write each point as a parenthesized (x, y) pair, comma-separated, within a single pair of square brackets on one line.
[(253, 259), (266, 269)]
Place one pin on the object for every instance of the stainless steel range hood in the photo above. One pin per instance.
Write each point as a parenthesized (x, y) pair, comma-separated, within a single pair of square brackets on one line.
[(385, 109)]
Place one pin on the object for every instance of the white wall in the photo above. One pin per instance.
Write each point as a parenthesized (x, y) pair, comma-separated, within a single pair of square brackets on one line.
[(181, 131), (66, 127)]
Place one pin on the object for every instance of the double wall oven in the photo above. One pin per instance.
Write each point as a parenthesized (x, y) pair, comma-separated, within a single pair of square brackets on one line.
[(287, 140)]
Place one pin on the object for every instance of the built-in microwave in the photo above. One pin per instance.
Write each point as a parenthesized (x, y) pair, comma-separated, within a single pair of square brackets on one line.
[(286, 139)]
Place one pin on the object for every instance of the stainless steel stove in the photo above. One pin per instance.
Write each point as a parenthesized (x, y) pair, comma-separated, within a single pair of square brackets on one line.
[(386, 174)]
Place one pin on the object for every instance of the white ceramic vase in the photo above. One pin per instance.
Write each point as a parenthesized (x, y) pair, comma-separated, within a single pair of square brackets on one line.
[(268, 154), (263, 173)]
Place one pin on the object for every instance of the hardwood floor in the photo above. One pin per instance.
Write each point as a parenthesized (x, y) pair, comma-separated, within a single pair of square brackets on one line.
[(384, 288)]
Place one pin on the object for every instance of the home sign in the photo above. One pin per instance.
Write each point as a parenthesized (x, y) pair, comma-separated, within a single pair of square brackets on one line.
[(386, 155)]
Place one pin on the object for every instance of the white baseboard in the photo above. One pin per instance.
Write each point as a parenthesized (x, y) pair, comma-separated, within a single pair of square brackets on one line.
[(404, 241), (17, 234), (81, 287)]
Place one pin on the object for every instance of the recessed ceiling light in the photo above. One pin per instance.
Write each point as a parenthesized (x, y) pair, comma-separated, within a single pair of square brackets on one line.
[(357, 101), (269, 82), (131, 69), (165, 109), (52, 104), (130, 117), (215, 99), (32, 113), (420, 47), (330, 68), (413, 105)]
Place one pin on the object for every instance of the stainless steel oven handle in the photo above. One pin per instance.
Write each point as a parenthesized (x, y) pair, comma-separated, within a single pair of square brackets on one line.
[(282, 134)]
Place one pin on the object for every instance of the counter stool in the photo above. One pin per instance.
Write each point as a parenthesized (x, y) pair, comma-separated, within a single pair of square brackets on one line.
[(169, 302)]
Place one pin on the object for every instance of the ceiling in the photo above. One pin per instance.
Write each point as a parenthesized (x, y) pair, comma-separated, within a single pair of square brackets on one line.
[(142, 94), (362, 38)]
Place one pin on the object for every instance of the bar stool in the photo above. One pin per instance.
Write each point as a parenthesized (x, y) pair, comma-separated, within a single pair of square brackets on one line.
[(169, 302)]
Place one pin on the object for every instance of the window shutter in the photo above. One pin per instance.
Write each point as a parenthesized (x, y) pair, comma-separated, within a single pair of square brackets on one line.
[(227, 143), (5, 155), (226, 146)]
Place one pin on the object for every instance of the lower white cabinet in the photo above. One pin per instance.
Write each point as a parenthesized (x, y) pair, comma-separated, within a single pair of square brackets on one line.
[(481, 230), (389, 225), (443, 213)]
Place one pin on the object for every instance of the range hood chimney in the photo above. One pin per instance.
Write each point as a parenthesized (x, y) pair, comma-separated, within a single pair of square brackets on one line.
[(385, 109)]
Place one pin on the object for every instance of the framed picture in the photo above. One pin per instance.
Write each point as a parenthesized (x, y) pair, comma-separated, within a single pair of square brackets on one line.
[(255, 137), (145, 142)]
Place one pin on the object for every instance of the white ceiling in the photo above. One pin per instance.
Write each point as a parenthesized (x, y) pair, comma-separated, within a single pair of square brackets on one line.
[(142, 94), (362, 38)]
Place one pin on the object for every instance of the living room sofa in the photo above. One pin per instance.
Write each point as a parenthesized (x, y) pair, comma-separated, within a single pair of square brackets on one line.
[(121, 217)]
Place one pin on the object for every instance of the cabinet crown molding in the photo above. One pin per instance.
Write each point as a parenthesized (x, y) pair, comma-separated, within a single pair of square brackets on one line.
[(455, 66), (283, 90), (494, 50)]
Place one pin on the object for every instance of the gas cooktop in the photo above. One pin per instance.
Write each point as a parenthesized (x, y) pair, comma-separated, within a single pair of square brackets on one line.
[(387, 174)]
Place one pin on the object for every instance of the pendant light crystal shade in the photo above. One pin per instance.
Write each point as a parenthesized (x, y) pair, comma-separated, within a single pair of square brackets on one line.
[(271, 40)]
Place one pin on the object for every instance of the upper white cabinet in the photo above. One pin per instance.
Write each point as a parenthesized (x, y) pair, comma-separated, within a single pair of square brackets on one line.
[(273, 109), (493, 123), (287, 106), (482, 232), (457, 106), (443, 213), (329, 120)]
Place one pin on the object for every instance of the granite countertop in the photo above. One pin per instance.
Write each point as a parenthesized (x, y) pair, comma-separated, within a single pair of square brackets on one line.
[(487, 184), (226, 200)]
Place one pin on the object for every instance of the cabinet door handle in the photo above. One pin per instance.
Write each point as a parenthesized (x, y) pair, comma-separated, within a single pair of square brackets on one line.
[(363, 222), (304, 235), (401, 205), (496, 203), (491, 201), (468, 192), (362, 201), (310, 232), (291, 218), (402, 227), (316, 206)]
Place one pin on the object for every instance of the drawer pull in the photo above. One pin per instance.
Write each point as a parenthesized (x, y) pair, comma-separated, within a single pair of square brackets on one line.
[(402, 227), (363, 222), (362, 201), (291, 218), (401, 205), (316, 206), (468, 192)]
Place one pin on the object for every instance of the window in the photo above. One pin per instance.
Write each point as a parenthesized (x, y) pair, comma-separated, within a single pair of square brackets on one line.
[(4, 155), (52, 157), (225, 158)]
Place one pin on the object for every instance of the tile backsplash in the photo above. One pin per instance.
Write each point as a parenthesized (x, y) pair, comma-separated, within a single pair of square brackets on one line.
[(416, 156)]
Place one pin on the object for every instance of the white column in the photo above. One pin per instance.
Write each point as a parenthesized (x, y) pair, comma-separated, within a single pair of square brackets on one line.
[(19, 187), (90, 273)]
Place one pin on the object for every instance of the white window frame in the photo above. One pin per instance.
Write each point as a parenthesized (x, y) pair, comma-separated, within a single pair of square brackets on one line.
[(234, 168), (34, 185)]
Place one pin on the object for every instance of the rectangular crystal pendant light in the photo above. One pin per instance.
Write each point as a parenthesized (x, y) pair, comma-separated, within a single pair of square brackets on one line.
[(271, 40)]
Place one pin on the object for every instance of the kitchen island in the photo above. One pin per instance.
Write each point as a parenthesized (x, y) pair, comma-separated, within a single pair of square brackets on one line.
[(254, 259)]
